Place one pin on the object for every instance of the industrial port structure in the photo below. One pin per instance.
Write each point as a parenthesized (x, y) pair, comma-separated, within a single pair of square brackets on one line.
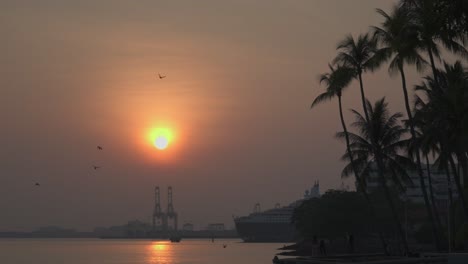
[(164, 222)]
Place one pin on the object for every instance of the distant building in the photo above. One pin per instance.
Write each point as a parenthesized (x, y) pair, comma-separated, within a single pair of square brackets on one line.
[(314, 191), (216, 227), (414, 192), (187, 227), (137, 228), (133, 228)]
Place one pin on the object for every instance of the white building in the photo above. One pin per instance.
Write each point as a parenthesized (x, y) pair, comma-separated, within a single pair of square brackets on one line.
[(413, 192), (314, 191)]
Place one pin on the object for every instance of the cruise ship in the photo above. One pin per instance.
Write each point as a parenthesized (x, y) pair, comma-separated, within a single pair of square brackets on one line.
[(273, 225)]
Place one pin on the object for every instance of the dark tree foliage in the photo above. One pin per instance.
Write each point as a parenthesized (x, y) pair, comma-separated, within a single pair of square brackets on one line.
[(457, 14), (337, 213), (454, 13), (333, 215)]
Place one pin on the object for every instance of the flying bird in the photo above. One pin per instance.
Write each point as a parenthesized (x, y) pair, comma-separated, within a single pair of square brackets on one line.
[(37, 184), (96, 167), (161, 76), (99, 147)]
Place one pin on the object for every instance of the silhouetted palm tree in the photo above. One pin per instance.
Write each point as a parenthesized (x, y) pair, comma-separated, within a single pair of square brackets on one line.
[(420, 143), (431, 139), (445, 111), (400, 45), (426, 146), (359, 56), (336, 80), (430, 20), (377, 147)]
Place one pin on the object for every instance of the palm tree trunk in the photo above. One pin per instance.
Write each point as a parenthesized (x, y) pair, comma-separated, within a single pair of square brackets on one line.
[(464, 172), (451, 220), (431, 193), (396, 218), (418, 160), (461, 194), (464, 166), (348, 147), (359, 180), (429, 181), (363, 97)]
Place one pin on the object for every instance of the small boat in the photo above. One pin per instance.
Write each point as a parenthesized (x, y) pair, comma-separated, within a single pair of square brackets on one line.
[(175, 239)]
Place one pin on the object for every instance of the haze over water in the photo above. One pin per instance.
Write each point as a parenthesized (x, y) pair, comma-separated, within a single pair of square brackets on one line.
[(85, 251)]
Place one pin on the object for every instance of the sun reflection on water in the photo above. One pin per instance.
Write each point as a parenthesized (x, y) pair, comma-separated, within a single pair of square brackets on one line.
[(160, 252)]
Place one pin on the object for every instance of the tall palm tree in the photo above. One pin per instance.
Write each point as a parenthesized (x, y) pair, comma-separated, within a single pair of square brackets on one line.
[(446, 109), (336, 80), (359, 56), (425, 145), (431, 139), (421, 144), (399, 45), (378, 145), (430, 20)]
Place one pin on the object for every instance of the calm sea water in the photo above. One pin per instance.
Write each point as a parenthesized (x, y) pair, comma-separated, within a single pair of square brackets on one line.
[(97, 251)]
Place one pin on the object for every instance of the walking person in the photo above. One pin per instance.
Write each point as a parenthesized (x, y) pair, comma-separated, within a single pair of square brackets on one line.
[(323, 250)]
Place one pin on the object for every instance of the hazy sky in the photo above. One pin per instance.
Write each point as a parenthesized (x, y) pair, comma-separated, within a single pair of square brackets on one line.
[(240, 79)]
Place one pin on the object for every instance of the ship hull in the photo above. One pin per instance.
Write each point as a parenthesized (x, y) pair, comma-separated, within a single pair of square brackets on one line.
[(266, 232)]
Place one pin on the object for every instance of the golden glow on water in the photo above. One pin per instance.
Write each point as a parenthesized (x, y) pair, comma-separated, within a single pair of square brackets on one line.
[(159, 247), (160, 252)]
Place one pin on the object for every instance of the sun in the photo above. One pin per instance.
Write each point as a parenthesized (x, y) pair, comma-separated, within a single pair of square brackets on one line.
[(161, 142), (160, 137)]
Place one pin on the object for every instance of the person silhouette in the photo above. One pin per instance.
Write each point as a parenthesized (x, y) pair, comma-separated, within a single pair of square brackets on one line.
[(323, 250)]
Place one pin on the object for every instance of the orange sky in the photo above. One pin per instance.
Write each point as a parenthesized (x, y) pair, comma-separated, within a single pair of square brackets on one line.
[(240, 79)]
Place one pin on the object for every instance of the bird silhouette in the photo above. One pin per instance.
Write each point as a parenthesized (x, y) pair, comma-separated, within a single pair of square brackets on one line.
[(99, 147), (161, 76), (96, 167), (37, 184)]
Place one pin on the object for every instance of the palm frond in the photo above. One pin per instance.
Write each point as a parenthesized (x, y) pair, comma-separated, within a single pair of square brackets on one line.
[(326, 96)]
